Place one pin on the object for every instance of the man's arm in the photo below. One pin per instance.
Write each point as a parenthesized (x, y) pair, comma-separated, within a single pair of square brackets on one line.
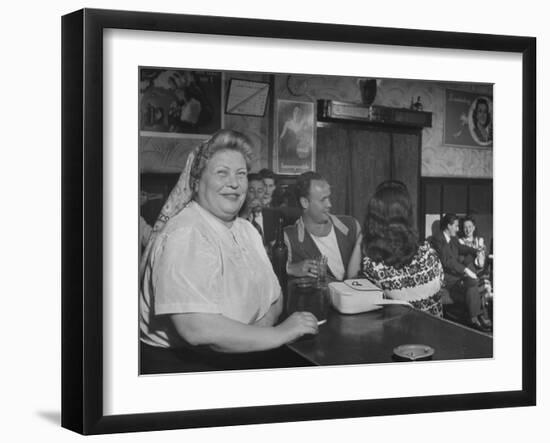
[(354, 265), (449, 262), (304, 268), (466, 250)]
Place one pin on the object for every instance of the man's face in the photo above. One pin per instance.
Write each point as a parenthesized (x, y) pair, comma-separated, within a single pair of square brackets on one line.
[(453, 228), (317, 206), (256, 192), (269, 186)]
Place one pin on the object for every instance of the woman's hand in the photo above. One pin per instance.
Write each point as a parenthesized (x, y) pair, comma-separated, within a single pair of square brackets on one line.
[(298, 325)]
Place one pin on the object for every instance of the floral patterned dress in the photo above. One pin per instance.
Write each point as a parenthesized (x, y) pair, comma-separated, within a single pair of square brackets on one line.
[(417, 283)]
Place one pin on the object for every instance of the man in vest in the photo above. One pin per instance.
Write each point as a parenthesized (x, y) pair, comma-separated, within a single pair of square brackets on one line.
[(317, 232)]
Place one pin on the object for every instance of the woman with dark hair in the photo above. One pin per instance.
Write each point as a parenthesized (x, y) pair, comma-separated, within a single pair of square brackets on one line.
[(392, 257), (469, 235), (481, 118), (471, 238)]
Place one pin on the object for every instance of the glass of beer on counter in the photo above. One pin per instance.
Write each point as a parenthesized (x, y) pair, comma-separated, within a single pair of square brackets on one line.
[(310, 295)]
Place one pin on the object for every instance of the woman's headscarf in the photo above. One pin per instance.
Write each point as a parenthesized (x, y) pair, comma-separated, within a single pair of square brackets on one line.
[(179, 197), (183, 192)]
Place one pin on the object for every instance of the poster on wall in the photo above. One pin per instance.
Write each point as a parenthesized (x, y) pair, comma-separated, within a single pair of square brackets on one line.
[(468, 119), (176, 102), (294, 137)]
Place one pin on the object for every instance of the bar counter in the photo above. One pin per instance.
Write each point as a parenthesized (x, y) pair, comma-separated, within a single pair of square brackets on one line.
[(371, 337)]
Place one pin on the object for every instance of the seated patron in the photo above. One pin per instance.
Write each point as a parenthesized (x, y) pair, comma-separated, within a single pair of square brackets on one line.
[(392, 258), (206, 281), (264, 219), (270, 185), (278, 197), (460, 277), (470, 237), (319, 233)]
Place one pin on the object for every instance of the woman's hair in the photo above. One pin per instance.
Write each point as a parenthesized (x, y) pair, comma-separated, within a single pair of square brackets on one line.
[(222, 140), (389, 235), (481, 101)]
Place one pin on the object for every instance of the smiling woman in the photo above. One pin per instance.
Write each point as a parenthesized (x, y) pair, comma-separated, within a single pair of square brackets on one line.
[(223, 188), (206, 282)]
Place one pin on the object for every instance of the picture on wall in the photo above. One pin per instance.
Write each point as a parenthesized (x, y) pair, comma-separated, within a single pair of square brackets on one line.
[(294, 137), (247, 97), (468, 119), (179, 101)]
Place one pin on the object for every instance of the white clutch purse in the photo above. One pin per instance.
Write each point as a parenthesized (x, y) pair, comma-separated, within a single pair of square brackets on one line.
[(355, 296)]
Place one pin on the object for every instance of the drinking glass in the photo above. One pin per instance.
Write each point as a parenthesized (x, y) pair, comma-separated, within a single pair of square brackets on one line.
[(306, 294)]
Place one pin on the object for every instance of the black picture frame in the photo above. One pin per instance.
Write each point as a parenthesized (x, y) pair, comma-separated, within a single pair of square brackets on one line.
[(82, 217)]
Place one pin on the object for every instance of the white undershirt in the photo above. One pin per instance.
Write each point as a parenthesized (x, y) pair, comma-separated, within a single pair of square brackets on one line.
[(329, 248)]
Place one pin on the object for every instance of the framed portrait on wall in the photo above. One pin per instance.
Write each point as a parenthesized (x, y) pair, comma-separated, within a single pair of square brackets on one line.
[(468, 119), (176, 102), (294, 143)]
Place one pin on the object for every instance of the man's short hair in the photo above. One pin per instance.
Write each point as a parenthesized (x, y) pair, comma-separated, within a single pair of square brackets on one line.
[(303, 183), (254, 176), (267, 173), (448, 219)]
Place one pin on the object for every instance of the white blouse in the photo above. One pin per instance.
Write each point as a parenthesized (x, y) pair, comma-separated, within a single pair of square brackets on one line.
[(198, 264)]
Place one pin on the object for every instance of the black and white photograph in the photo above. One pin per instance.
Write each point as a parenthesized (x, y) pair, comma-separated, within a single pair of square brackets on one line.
[(179, 101), (362, 240), (295, 137)]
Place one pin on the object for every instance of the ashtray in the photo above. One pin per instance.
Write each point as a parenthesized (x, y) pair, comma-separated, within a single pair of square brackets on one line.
[(414, 352)]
